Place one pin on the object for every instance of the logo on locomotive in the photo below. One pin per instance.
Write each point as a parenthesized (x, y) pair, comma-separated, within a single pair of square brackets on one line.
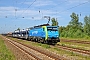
[(35, 32)]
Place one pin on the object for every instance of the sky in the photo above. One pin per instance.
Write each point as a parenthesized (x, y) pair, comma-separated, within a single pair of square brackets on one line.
[(28, 13)]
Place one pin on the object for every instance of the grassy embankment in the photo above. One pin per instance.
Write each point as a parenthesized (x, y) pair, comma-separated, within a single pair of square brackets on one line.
[(5, 54), (80, 39), (69, 54), (75, 45)]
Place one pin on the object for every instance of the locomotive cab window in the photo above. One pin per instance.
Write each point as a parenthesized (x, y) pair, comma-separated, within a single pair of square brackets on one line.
[(52, 28)]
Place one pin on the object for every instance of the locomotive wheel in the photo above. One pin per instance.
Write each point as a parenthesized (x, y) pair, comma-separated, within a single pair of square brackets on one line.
[(36, 40), (45, 41)]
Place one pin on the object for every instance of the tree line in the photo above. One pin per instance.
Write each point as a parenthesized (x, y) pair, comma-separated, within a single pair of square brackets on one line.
[(75, 28)]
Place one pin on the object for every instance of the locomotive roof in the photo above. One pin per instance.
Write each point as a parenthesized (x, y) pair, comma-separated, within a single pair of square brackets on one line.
[(42, 25)]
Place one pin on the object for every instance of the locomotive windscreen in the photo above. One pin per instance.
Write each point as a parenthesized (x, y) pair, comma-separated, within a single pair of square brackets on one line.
[(52, 28)]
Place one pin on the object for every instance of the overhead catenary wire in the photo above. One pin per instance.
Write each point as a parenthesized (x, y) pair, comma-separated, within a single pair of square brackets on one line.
[(39, 8), (15, 9), (73, 7), (52, 15), (77, 5), (23, 2), (59, 4), (68, 8), (27, 8), (6, 16), (14, 3)]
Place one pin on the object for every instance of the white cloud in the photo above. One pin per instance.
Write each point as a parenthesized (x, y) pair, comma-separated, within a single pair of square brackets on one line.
[(77, 1), (39, 3), (10, 8), (10, 12), (4, 11)]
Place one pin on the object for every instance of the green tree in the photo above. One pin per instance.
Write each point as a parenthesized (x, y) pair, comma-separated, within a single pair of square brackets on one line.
[(74, 29), (75, 21), (75, 25), (54, 22), (87, 25), (18, 28)]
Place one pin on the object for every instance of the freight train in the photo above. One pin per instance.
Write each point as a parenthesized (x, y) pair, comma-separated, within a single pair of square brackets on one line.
[(41, 33)]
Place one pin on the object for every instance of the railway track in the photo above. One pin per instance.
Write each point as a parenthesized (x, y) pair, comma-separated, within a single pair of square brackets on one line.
[(87, 52), (81, 51), (76, 41), (36, 53)]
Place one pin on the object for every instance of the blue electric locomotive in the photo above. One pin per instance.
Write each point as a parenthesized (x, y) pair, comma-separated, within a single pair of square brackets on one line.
[(42, 33)]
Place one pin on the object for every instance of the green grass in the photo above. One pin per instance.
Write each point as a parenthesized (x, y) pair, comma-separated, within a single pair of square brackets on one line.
[(5, 54), (75, 45), (68, 54), (81, 39)]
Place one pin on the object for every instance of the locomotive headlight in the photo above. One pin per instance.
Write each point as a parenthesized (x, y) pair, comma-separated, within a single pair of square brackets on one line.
[(56, 35)]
